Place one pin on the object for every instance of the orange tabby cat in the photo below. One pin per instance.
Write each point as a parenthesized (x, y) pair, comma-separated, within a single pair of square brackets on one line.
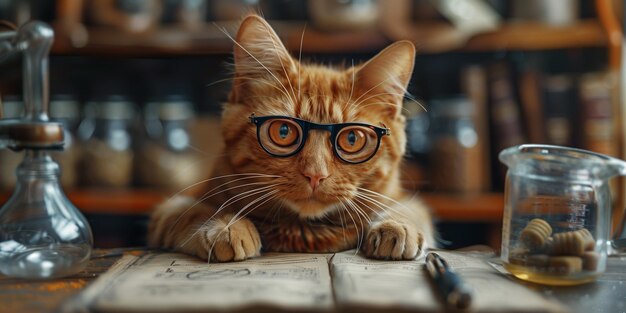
[(312, 161)]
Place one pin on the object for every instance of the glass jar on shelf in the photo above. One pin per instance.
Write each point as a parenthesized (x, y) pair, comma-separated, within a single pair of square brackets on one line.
[(107, 154), (456, 161), (165, 158)]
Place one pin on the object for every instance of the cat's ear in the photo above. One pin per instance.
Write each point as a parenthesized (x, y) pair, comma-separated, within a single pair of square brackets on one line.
[(259, 51), (388, 73)]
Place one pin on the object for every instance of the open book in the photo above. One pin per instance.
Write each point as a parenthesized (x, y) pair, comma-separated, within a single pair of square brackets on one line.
[(170, 282)]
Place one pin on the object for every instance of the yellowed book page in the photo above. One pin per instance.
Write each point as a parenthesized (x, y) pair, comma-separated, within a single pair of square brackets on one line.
[(369, 284), (180, 283)]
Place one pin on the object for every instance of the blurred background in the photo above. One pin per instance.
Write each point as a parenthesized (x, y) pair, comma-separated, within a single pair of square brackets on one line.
[(139, 85)]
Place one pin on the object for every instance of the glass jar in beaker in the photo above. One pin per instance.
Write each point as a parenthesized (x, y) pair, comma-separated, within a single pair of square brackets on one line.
[(557, 208)]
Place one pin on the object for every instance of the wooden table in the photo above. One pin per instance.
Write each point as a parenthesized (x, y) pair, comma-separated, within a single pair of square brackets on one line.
[(608, 294)]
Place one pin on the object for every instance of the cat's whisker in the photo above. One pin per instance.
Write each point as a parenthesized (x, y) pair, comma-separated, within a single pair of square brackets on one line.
[(405, 110), (362, 209), (351, 88), (380, 205), (204, 196), (194, 148), (382, 196), (359, 213), (258, 201), (383, 206), (217, 177), (356, 101), (365, 205), (259, 81), (230, 201), (233, 199), (276, 47), (359, 234), (356, 227), (341, 220), (219, 81), (272, 211), (270, 196), (300, 62), (217, 238), (243, 195), (208, 194), (359, 210), (253, 57), (387, 103)]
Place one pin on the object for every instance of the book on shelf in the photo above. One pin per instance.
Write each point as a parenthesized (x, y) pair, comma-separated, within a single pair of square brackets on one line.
[(561, 110), (532, 105), (506, 120), (597, 117), (287, 282)]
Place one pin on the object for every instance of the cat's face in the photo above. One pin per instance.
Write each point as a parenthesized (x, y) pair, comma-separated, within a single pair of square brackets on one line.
[(268, 81)]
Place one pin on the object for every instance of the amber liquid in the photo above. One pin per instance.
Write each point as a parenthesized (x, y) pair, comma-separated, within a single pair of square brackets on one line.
[(531, 274)]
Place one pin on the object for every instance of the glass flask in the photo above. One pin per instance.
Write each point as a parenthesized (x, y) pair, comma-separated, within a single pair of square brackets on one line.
[(557, 208), (42, 235)]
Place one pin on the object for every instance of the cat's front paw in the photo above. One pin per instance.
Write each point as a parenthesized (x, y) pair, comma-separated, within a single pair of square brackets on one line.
[(393, 240), (235, 242)]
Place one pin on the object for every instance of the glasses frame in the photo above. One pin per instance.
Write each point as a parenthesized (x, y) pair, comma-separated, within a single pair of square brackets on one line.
[(306, 126)]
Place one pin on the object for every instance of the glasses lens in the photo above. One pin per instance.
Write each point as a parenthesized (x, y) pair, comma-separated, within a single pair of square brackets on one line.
[(356, 144), (280, 137)]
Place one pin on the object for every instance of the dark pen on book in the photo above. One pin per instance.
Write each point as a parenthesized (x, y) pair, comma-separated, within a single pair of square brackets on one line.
[(451, 287)]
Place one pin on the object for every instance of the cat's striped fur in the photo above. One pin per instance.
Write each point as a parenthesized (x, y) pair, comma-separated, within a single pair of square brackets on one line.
[(258, 202)]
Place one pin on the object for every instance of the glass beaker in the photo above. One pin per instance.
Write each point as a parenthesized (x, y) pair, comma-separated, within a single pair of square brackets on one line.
[(557, 207)]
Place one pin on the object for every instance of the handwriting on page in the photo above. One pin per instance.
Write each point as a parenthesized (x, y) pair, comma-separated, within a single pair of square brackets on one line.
[(162, 281)]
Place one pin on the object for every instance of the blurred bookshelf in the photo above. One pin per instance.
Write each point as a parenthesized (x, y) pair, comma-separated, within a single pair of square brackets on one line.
[(512, 103)]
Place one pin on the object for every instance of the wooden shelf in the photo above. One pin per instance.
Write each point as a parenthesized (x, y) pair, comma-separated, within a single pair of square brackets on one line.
[(429, 38), (210, 39), (446, 207), (486, 207), (536, 36)]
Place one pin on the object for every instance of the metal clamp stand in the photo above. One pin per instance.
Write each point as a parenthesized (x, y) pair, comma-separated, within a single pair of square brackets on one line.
[(34, 130), (42, 234)]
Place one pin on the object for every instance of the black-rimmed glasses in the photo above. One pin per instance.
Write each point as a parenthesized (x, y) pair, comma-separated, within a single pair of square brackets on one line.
[(284, 136)]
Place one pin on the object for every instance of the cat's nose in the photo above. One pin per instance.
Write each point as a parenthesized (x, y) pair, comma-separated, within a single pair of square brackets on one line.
[(315, 179)]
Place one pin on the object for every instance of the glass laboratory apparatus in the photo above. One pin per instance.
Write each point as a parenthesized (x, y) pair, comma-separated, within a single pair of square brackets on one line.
[(42, 235), (557, 211)]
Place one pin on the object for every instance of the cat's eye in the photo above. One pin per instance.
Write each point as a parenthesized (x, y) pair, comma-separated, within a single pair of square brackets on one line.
[(283, 132), (356, 144), (280, 137), (351, 139)]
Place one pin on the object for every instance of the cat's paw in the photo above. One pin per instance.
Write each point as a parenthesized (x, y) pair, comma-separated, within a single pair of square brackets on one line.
[(393, 240), (235, 242)]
